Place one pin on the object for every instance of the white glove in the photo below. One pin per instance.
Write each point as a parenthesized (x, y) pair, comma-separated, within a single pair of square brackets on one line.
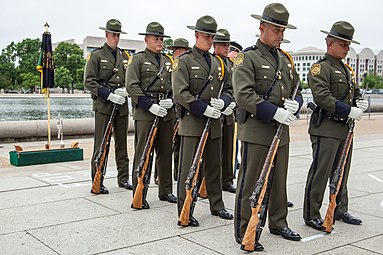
[(284, 116), (211, 112), (158, 110), (229, 109), (166, 103), (291, 105), (116, 99), (362, 104), (121, 92), (355, 113), (217, 103)]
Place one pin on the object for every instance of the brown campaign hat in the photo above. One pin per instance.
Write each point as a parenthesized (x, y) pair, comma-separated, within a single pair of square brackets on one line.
[(342, 30), (206, 24), (113, 26), (223, 38), (275, 14), (179, 43), (154, 28)]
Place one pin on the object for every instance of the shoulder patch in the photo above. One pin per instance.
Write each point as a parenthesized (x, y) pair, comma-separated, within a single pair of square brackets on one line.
[(315, 69), (176, 64), (239, 59)]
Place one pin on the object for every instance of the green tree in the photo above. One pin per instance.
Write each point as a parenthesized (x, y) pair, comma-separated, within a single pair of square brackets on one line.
[(8, 71), (63, 78), (374, 81), (30, 81), (70, 56), (27, 53)]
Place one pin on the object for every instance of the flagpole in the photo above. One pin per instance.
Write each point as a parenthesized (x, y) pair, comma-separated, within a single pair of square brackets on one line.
[(49, 119)]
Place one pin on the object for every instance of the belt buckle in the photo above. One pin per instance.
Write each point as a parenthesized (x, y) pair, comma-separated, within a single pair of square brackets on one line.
[(161, 96)]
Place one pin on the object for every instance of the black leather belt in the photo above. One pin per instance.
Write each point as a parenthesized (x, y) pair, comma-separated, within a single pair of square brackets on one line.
[(156, 95), (336, 118)]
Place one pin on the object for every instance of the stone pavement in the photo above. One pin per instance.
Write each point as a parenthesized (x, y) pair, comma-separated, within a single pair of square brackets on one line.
[(47, 209)]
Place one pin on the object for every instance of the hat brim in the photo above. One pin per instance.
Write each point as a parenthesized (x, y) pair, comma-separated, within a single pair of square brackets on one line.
[(111, 31), (259, 17), (338, 37), (156, 34), (198, 30)]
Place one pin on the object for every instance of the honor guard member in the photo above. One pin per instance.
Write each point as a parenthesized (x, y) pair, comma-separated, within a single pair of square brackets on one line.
[(263, 81), (289, 204), (105, 78), (221, 48), (148, 81), (338, 98), (179, 47), (196, 85)]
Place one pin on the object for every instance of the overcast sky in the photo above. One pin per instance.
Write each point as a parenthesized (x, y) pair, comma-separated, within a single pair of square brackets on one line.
[(76, 19)]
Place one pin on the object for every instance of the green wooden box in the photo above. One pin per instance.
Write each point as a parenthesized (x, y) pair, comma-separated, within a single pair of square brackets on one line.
[(26, 158)]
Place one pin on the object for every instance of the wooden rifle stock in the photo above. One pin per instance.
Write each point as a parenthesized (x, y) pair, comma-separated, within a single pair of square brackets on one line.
[(259, 198), (142, 168), (336, 181), (102, 155), (192, 181)]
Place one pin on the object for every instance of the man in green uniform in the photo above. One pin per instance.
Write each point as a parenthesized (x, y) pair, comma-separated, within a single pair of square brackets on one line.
[(221, 48), (263, 81), (197, 81), (338, 99), (148, 81), (105, 78), (179, 47)]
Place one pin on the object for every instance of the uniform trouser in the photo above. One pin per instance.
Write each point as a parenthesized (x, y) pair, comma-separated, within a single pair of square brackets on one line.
[(176, 155), (326, 154), (227, 154), (162, 148), (253, 157), (210, 169), (120, 131)]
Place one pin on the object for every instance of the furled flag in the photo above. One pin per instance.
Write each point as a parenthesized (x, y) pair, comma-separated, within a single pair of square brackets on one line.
[(45, 64)]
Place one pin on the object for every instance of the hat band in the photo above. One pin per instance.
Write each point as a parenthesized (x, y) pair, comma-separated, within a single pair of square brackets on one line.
[(232, 48), (113, 30), (205, 29), (341, 35), (268, 18)]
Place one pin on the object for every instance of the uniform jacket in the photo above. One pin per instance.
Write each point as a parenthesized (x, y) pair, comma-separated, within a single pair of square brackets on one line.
[(190, 74), (330, 79), (142, 70), (253, 74), (99, 67)]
